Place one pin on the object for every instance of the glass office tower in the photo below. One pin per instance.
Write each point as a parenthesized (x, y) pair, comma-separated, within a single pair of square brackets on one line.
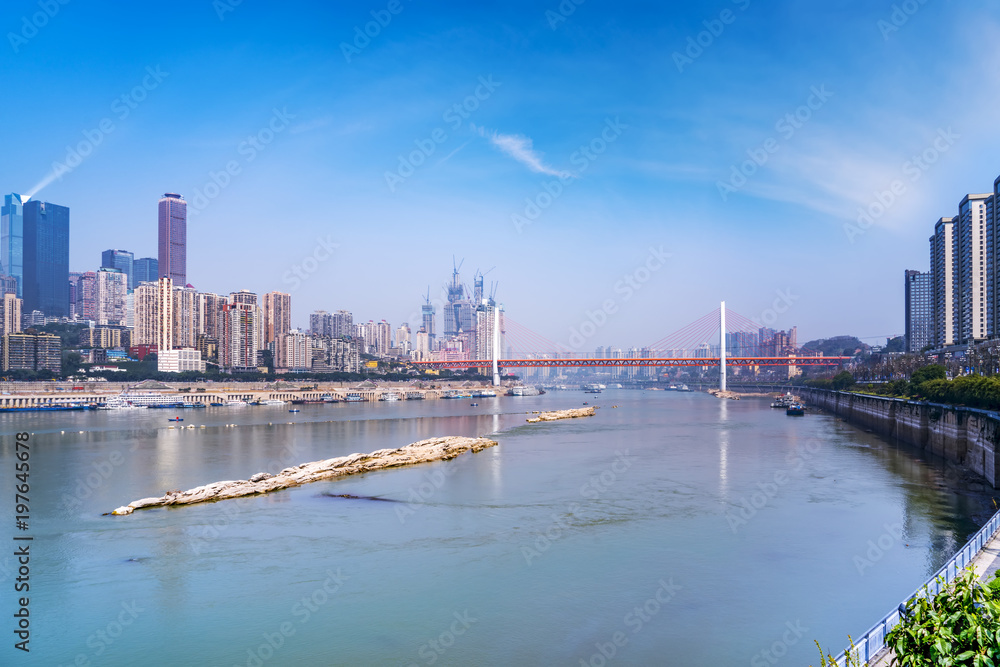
[(46, 258), (12, 239)]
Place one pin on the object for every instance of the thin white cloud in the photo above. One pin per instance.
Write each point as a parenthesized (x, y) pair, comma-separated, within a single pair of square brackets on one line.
[(521, 149)]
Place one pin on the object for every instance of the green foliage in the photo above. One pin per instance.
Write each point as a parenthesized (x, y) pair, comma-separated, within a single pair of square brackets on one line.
[(836, 346), (925, 373), (958, 626), (971, 390), (897, 344), (842, 380), (827, 660), (68, 333), (71, 362)]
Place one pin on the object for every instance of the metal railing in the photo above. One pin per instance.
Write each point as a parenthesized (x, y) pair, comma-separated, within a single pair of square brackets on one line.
[(872, 642)]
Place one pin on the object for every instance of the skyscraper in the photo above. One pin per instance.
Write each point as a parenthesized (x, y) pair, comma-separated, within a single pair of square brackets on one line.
[(972, 285), (12, 239), (145, 270), (277, 316), (46, 258), (172, 227), (942, 268), (122, 260), (919, 290)]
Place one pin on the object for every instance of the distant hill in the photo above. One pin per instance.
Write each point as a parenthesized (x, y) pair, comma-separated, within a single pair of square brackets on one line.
[(837, 346)]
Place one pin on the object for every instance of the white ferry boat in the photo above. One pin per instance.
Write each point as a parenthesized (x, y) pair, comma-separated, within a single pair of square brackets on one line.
[(236, 404), (272, 401), (524, 391), (391, 396), (128, 400)]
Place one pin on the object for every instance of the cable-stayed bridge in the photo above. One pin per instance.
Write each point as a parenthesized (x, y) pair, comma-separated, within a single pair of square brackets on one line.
[(700, 343)]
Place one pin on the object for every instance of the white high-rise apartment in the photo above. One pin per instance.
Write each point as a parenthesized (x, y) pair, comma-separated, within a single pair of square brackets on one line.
[(972, 274)]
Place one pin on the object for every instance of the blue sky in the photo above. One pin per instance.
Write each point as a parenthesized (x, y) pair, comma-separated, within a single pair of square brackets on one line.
[(200, 78)]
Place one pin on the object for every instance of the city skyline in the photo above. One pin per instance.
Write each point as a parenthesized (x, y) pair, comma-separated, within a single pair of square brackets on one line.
[(289, 161)]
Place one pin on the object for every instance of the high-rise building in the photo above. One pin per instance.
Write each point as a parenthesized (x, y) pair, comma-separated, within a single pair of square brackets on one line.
[(12, 239), (421, 346), (111, 291), (8, 284), (971, 309), (403, 343), (919, 326), (486, 317), (209, 310), (122, 260), (185, 320), (993, 258), (32, 352), (10, 317), (154, 314), (427, 322), (320, 323), (943, 272), (46, 258), (293, 351), (459, 312), (383, 338), (238, 343), (172, 228), (86, 296), (277, 316), (145, 270), (342, 324)]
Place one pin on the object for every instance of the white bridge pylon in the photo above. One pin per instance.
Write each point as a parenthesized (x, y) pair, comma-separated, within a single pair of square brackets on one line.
[(722, 347)]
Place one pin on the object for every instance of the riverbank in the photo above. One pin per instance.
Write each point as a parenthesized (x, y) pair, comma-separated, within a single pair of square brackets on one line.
[(965, 437), (425, 451)]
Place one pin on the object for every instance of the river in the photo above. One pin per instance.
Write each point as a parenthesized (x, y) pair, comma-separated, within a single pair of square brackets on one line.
[(672, 529)]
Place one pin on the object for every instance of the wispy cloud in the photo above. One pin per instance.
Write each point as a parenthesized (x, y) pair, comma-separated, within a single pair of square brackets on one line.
[(521, 149)]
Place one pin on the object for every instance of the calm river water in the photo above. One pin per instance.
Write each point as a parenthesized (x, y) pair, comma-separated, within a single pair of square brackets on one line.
[(673, 529)]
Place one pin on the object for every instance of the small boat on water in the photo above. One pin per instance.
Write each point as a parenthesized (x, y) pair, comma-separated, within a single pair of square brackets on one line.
[(474, 405), (217, 405), (294, 410), (795, 410), (484, 393), (175, 419)]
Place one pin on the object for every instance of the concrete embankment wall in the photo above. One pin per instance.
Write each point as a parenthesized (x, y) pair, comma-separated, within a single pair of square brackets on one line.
[(964, 436)]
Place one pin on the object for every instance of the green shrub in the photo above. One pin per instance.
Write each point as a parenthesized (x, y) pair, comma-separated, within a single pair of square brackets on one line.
[(958, 626)]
